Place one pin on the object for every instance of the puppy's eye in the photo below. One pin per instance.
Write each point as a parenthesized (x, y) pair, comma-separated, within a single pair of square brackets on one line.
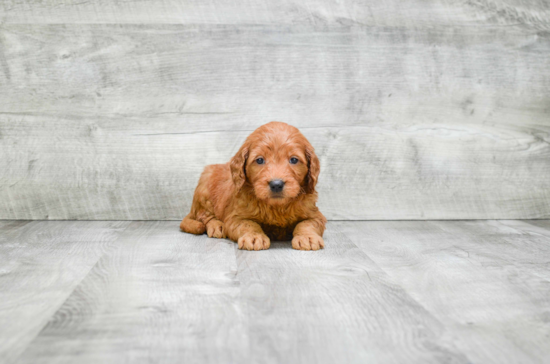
[(260, 160), (293, 160)]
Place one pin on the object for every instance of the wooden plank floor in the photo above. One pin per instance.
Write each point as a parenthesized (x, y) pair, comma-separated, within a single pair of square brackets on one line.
[(386, 292)]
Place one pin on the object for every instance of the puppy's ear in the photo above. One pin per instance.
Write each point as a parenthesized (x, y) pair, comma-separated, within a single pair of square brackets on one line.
[(314, 168), (237, 164)]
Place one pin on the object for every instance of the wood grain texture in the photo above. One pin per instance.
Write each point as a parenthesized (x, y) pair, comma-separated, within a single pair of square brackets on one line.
[(542, 225), (415, 13), (385, 292), (41, 263), (487, 280), (435, 110), (160, 296), (335, 306)]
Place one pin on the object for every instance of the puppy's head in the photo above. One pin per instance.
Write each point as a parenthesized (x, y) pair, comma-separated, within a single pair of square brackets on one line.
[(277, 162)]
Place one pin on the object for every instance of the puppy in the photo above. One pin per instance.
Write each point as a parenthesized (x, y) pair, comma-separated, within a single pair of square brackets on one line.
[(267, 191)]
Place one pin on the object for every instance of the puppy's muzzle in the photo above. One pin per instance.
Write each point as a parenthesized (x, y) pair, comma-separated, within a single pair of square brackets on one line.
[(276, 185)]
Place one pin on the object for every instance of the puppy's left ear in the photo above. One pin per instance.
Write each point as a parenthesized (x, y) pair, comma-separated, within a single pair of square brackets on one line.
[(314, 168), (237, 165)]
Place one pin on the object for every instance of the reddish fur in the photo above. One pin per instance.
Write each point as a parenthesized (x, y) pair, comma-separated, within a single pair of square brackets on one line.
[(234, 200)]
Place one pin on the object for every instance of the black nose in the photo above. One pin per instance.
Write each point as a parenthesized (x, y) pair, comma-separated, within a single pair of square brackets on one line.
[(276, 185)]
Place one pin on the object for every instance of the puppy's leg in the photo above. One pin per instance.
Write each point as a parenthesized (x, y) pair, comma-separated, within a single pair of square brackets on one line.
[(195, 221), (192, 226), (248, 234), (215, 229), (308, 234)]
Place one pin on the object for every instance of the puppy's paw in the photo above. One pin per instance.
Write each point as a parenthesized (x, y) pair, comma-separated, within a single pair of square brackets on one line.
[(308, 242), (215, 229), (254, 241)]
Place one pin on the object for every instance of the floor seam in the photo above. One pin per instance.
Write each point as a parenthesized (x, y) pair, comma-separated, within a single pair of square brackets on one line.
[(69, 295)]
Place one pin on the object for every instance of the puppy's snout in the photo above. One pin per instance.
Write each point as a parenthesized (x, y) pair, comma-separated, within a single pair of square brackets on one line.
[(276, 185)]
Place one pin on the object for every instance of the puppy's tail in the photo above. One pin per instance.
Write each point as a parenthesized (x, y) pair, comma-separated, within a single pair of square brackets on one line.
[(192, 226)]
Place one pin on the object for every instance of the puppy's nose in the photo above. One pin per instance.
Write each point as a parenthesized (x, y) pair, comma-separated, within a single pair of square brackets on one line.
[(276, 185)]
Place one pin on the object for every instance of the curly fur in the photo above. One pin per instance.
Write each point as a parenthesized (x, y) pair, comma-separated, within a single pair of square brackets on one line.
[(234, 199)]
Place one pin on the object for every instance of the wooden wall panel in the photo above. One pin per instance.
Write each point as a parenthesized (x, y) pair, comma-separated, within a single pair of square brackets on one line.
[(412, 13), (377, 13), (443, 116)]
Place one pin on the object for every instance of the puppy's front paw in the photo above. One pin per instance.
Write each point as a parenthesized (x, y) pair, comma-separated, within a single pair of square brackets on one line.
[(308, 242), (215, 229), (254, 241)]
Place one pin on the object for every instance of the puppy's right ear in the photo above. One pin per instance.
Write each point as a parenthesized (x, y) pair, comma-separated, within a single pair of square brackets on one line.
[(238, 169)]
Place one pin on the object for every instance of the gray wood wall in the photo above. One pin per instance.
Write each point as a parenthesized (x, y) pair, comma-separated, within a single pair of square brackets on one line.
[(418, 109)]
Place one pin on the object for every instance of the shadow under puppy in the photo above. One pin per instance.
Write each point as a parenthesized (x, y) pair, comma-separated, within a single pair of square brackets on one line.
[(267, 191)]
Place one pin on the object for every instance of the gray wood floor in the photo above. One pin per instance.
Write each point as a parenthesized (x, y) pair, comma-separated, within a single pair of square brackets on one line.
[(388, 292)]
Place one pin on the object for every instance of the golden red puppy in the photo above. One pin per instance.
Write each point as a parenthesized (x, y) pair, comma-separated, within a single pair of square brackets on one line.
[(267, 191)]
